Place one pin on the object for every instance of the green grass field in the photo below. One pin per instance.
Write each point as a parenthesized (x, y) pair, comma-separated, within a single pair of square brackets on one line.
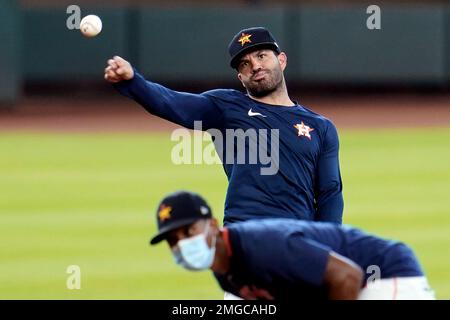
[(89, 200)]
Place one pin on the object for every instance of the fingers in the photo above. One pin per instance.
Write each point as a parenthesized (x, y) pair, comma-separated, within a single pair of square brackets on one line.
[(121, 71), (108, 68), (111, 75), (110, 71), (118, 69), (117, 62), (120, 61), (112, 80), (112, 63)]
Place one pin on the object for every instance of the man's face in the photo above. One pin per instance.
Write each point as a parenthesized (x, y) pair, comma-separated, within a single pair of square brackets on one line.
[(188, 231), (261, 71)]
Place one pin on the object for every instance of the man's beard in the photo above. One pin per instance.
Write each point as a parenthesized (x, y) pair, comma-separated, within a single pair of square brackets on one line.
[(272, 81)]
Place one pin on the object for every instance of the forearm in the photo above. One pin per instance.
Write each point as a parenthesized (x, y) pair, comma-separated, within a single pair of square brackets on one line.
[(178, 107), (343, 278), (328, 188), (347, 289), (330, 207)]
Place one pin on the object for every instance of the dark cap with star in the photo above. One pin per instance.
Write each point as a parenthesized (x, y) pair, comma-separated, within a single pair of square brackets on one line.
[(179, 209), (250, 39)]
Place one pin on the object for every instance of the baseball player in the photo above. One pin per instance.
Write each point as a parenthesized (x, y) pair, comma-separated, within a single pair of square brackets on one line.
[(307, 185), (286, 258)]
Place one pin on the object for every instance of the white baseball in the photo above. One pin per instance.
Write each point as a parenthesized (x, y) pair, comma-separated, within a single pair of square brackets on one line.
[(91, 25)]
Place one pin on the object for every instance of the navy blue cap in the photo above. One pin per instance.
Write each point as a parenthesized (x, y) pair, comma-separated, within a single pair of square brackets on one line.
[(179, 209), (250, 38)]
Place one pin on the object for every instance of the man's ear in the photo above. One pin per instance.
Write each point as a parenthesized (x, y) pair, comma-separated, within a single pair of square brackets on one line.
[(215, 225), (214, 222), (282, 59), (240, 79)]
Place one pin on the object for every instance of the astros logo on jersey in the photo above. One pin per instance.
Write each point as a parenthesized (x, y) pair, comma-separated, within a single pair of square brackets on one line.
[(303, 130), (164, 212), (245, 38)]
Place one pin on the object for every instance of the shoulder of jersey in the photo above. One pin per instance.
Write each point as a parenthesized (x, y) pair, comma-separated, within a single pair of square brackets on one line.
[(317, 115), (312, 112), (225, 94)]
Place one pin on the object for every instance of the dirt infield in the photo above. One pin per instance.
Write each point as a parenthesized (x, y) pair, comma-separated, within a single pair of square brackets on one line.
[(117, 114)]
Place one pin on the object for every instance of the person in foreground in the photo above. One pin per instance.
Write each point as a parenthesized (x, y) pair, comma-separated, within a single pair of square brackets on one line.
[(286, 258)]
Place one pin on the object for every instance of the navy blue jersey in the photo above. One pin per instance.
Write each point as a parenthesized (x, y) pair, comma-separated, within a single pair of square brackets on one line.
[(286, 259), (307, 184)]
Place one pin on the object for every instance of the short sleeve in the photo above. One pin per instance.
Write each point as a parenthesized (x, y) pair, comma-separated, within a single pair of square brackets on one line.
[(296, 259)]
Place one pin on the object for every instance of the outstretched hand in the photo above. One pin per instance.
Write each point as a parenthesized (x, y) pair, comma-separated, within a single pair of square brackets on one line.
[(118, 69)]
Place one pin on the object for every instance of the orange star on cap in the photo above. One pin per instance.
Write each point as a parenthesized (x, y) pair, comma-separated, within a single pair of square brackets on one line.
[(303, 130), (164, 212), (245, 38)]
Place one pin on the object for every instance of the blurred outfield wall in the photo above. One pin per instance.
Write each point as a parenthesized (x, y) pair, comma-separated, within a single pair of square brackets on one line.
[(10, 44), (325, 44)]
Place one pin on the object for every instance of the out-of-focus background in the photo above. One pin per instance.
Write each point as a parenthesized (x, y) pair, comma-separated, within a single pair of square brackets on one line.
[(82, 169)]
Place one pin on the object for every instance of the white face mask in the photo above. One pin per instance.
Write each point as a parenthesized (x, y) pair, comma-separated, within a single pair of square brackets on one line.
[(194, 253)]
